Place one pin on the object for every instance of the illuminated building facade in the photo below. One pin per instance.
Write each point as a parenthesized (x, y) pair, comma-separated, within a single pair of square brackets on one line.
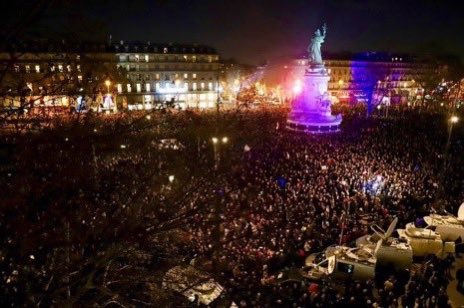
[(381, 76), (58, 76), (187, 75), (109, 76)]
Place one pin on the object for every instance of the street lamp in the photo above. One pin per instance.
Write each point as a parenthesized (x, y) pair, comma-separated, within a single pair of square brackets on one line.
[(215, 141), (108, 83), (452, 120)]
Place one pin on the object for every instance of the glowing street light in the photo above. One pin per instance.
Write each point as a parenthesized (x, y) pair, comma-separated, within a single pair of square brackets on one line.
[(108, 83), (297, 87), (215, 141)]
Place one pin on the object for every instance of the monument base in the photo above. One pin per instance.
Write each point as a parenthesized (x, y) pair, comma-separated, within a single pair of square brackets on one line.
[(313, 123)]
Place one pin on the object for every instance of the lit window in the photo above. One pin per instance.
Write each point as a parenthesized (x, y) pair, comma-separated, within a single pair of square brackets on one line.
[(147, 87), (129, 88), (119, 86), (78, 68), (210, 59), (157, 76), (194, 58), (79, 77), (194, 76), (28, 69), (177, 76), (68, 68), (165, 50), (186, 85), (60, 68), (210, 86), (139, 87), (52, 68), (157, 85), (194, 86), (146, 58), (185, 58), (185, 76), (137, 58), (202, 85), (37, 68), (16, 68)]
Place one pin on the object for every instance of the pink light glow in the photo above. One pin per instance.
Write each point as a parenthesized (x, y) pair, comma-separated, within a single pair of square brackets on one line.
[(297, 87)]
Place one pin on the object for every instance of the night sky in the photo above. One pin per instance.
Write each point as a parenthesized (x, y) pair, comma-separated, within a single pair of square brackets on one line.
[(255, 30)]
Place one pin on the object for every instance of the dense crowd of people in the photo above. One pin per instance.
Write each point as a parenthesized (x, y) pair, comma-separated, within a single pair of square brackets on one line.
[(257, 208), (292, 195)]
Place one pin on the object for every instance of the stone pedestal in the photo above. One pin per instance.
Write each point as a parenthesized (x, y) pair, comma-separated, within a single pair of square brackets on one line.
[(311, 112)]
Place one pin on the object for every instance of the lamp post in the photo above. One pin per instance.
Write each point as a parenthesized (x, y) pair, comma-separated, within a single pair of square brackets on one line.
[(216, 142), (452, 120), (441, 189), (108, 84), (217, 234)]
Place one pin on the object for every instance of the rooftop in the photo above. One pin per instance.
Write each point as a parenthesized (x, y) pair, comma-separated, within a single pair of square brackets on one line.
[(46, 46)]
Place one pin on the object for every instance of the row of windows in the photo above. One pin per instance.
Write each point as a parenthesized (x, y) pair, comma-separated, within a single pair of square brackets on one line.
[(176, 76), (166, 49), (179, 58), (169, 66), (169, 87), (381, 85), (42, 69)]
